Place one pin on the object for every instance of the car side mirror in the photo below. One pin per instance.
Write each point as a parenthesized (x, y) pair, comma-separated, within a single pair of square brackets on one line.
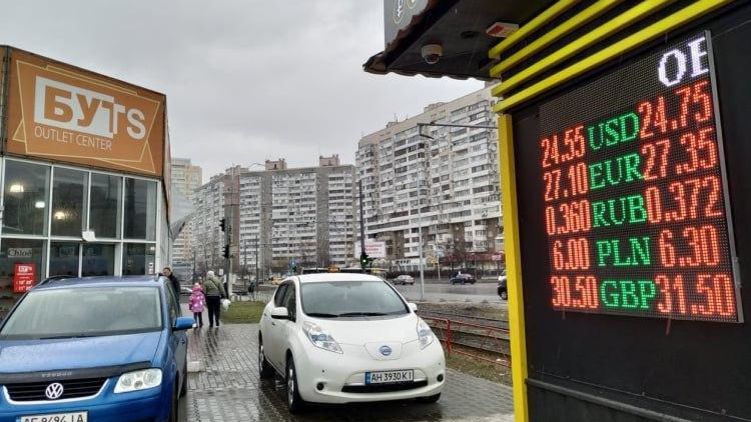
[(183, 323), (412, 306), (280, 313)]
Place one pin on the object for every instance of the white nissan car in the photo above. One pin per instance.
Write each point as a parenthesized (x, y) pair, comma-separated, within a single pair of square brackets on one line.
[(342, 338)]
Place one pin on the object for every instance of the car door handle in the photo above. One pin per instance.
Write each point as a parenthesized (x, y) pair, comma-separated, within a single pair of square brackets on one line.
[(273, 323), (182, 341)]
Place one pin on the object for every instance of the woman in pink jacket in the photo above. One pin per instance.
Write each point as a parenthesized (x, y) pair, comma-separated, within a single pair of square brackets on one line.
[(197, 303)]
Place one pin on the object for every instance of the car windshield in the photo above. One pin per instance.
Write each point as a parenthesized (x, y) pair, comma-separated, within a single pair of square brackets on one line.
[(351, 299), (84, 312)]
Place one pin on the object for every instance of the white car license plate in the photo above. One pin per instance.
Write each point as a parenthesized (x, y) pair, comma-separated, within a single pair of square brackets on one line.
[(57, 417), (386, 377)]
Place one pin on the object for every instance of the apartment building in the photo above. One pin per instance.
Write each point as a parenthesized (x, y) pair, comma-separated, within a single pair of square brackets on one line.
[(186, 178), (297, 217), (441, 181)]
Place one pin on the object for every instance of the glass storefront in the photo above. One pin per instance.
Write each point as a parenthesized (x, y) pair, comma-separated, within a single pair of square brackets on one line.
[(139, 258), (98, 259), (69, 190), (26, 196), (48, 209)]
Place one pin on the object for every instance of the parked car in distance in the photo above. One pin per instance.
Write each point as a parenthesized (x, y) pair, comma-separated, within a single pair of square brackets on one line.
[(403, 279), (502, 288), (462, 279), (94, 349), (347, 338)]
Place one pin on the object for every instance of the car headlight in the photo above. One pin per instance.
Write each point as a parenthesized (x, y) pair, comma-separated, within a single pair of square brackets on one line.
[(424, 334), (139, 380), (321, 338)]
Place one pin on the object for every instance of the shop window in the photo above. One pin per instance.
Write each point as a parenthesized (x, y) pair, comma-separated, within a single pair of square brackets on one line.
[(27, 188), (21, 267), (69, 190), (105, 215), (140, 209), (64, 258), (98, 259), (139, 258)]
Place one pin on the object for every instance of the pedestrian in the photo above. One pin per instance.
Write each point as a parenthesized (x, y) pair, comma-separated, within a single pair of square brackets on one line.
[(214, 292), (197, 303), (252, 289), (167, 272)]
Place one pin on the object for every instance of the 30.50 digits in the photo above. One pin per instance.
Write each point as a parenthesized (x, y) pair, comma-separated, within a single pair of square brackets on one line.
[(699, 197), (695, 108), (579, 293), (716, 291), (573, 146), (576, 178), (568, 217)]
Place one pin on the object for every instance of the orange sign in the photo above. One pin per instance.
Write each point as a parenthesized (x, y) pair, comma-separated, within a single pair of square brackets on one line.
[(63, 113)]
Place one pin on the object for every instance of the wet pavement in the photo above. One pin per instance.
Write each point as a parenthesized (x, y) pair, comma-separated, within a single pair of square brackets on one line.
[(227, 388)]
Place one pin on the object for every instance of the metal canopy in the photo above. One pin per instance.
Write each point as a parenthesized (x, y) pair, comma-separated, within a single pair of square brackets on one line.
[(458, 26)]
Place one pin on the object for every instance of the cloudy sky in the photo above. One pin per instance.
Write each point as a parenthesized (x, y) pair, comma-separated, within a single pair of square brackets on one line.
[(246, 80)]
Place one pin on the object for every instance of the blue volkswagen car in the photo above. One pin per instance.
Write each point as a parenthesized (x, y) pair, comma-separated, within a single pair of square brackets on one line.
[(94, 349)]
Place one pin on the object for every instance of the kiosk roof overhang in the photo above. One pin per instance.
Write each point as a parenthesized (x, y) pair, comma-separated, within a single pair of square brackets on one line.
[(459, 26)]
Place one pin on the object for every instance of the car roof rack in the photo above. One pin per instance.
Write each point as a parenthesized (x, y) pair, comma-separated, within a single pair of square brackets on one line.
[(55, 278)]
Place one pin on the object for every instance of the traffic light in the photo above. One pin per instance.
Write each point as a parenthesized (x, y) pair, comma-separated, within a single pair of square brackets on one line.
[(225, 251), (364, 260), (223, 224)]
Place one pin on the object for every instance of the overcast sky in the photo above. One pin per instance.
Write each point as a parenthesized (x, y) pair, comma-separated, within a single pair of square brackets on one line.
[(246, 80)]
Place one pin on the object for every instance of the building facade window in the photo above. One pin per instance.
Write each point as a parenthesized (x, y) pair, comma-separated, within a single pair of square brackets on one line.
[(69, 190), (140, 209), (27, 188), (64, 258), (98, 259), (106, 197), (139, 258)]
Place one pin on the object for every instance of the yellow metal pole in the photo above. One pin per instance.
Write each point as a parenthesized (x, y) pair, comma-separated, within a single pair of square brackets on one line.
[(513, 267)]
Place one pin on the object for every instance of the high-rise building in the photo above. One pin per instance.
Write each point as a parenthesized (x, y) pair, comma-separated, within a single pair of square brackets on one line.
[(296, 217), (442, 182), (186, 178)]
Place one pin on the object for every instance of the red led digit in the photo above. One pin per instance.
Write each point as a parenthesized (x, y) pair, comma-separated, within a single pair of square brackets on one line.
[(686, 98), (724, 294), (704, 99), (713, 201), (666, 249), (645, 111)]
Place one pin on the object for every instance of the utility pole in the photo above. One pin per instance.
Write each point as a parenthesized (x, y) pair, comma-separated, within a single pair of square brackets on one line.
[(363, 254)]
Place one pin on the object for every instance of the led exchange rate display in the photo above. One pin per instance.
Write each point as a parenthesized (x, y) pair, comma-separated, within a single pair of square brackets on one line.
[(634, 192)]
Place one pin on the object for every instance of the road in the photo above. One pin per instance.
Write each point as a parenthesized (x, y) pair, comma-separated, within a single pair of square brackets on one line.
[(436, 290)]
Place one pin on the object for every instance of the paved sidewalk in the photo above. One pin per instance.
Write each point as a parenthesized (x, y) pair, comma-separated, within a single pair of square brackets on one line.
[(228, 388)]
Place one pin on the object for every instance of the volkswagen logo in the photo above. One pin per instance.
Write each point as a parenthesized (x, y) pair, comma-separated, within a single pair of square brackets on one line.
[(54, 391), (385, 350)]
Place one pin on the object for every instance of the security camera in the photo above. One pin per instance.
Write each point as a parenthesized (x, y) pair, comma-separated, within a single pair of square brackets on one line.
[(432, 53)]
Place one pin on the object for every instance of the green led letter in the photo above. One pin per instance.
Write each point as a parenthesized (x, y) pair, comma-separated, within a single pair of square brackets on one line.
[(598, 214), (647, 291), (631, 164), (640, 250), (613, 135), (594, 143), (609, 294), (603, 251), (617, 254), (596, 181), (612, 207), (637, 212), (629, 126), (628, 294)]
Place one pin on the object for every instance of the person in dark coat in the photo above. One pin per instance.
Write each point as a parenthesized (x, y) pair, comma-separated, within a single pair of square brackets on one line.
[(167, 272)]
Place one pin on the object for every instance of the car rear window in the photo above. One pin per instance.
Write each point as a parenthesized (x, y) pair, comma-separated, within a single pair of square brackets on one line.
[(84, 312), (340, 299)]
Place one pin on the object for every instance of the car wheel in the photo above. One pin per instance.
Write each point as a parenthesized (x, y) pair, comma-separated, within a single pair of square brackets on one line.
[(174, 411), (184, 386), (504, 295), (429, 399), (295, 403), (264, 368)]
